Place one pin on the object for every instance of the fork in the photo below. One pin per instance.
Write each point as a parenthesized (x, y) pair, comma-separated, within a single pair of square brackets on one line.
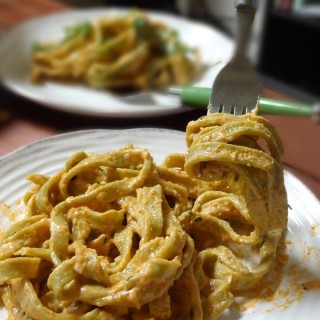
[(236, 89)]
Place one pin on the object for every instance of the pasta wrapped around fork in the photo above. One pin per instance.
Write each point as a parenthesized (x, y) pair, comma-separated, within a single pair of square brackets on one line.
[(239, 225), (116, 236)]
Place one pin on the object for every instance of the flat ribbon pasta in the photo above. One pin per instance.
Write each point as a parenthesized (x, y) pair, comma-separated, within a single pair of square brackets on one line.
[(249, 213), (115, 236), (113, 52)]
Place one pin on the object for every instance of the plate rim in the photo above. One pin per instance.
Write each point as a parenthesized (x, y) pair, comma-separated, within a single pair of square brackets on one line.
[(55, 137), (122, 131), (30, 148)]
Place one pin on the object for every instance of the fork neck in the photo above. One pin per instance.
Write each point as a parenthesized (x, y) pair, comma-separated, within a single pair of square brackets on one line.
[(245, 13)]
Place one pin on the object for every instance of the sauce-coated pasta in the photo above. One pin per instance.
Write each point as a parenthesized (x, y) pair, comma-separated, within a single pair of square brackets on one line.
[(129, 51), (116, 236)]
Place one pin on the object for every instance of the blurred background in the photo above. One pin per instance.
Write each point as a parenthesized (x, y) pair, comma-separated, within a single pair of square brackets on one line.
[(285, 48), (285, 45)]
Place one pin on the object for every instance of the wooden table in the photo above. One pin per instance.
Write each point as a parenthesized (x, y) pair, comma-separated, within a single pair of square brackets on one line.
[(23, 121)]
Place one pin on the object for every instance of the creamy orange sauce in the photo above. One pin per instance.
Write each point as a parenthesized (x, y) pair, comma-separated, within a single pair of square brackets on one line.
[(315, 230), (267, 290), (279, 295), (5, 210), (311, 285), (6, 216)]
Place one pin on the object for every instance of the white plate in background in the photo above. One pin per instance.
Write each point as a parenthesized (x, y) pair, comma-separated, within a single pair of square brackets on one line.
[(15, 65), (292, 301)]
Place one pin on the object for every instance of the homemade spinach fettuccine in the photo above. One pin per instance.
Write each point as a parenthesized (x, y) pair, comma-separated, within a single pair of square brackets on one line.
[(117, 236), (130, 51)]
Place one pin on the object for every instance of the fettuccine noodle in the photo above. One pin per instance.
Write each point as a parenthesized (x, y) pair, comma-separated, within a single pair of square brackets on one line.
[(121, 51), (116, 236)]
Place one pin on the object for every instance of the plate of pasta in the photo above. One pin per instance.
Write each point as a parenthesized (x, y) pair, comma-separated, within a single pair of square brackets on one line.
[(149, 224), (87, 61)]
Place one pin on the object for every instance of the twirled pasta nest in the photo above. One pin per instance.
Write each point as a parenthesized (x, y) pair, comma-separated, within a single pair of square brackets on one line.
[(115, 236)]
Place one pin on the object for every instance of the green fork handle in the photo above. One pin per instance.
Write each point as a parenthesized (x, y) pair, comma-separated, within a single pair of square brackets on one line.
[(199, 97)]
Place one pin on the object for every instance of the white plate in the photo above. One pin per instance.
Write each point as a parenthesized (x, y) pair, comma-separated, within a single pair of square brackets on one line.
[(15, 65), (48, 155)]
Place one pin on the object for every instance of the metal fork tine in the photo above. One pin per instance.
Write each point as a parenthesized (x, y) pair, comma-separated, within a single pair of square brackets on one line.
[(227, 108), (215, 109), (239, 111), (236, 87)]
